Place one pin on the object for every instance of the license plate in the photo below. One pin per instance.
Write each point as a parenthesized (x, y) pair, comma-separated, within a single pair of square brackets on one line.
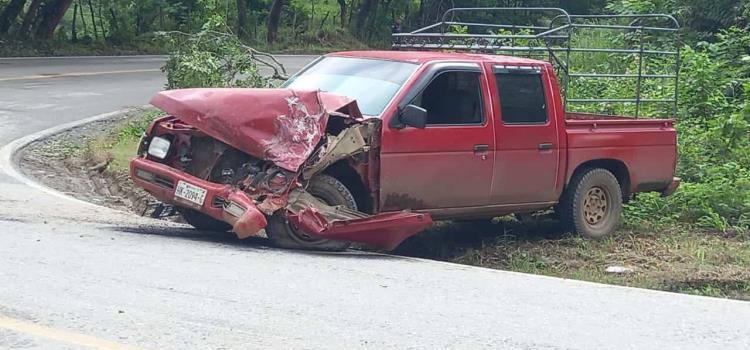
[(190, 192)]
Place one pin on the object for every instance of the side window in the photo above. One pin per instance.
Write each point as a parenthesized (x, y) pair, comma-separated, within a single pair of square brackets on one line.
[(452, 98), (521, 98)]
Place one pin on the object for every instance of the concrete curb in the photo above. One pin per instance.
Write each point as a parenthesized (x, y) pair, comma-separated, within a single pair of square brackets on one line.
[(9, 153)]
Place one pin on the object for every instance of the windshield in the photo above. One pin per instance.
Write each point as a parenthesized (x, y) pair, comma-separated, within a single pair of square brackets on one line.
[(373, 83)]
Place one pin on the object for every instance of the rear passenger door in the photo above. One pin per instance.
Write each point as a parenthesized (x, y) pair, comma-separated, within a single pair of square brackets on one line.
[(448, 164), (527, 142)]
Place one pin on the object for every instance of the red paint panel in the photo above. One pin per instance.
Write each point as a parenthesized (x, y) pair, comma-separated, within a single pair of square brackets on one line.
[(648, 148), (523, 173), (279, 125), (385, 230), (436, 167)]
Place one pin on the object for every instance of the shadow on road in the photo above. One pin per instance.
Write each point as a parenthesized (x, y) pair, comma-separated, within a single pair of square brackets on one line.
[(229, 238)]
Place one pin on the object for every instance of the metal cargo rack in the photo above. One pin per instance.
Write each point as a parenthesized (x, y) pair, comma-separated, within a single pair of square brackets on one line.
[(551, 39)]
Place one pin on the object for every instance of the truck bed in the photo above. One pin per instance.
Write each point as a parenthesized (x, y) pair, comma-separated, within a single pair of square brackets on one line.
[(647, 146)]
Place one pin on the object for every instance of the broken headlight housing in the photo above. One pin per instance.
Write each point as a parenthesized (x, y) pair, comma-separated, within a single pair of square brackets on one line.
[(159, 147)]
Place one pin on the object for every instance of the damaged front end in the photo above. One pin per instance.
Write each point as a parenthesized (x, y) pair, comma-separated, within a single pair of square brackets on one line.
[(245, 156)]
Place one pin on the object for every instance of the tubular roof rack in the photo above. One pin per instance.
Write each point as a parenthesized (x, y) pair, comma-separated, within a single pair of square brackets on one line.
[(552, 37)]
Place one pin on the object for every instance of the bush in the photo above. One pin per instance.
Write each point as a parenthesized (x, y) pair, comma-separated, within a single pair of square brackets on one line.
[(214, 57), (714, 141)]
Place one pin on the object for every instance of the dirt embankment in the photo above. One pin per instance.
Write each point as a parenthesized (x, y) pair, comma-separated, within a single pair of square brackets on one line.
[(76, 162)]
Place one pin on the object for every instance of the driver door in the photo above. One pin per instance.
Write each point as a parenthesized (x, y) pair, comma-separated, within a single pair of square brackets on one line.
[(449, 163)]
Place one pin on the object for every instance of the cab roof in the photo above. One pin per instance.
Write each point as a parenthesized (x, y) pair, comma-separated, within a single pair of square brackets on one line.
[(421, 57)]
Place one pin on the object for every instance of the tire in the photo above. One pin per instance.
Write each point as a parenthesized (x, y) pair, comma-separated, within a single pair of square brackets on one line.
[(329, 190), (592, 203), (204, 222)]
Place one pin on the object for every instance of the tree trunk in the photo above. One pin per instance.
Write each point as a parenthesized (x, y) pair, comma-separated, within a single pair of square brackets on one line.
[(312, 15), (50, 16), (101, 20), (363, 15), (242, 18), (373, 19), (93, 21), (352, 6), (273, 20), (9, 14), (113, 20), (83, 19), (28, 19), (138, 19), (323, 21), (342, 12), (73, 33)]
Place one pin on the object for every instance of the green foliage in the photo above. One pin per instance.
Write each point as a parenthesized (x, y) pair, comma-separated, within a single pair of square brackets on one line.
[(213, 57), (714, 141)]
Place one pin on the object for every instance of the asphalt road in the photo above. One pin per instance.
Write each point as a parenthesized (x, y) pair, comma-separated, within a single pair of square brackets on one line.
[(77, 276)]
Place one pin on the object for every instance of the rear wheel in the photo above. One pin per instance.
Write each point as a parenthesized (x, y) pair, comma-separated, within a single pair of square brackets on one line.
[(329, 190), (592, 203)]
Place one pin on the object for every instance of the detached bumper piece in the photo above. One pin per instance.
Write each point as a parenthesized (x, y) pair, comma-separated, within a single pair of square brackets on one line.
[(384, 230), (221, 202)]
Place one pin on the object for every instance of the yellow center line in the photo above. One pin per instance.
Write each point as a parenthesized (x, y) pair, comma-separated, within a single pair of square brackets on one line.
[(78, 74), (61, 336)]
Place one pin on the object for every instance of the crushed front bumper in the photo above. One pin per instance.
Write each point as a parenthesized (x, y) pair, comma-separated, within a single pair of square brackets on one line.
[(226, 203), (221, 202)]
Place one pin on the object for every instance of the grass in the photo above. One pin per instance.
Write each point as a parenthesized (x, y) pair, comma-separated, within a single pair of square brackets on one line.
[(288, 42), (118, 146), (314, 42), (677, 259), (55, 47)]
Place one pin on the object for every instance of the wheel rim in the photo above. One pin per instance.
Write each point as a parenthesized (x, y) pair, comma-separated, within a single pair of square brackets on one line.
[(303, 237), (596, 206)]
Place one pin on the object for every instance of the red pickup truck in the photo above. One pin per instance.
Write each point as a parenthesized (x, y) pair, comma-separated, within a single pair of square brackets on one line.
[(372, 146)]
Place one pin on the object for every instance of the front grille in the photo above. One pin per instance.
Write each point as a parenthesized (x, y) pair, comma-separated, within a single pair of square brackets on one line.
[(218, 202), (163, 181)]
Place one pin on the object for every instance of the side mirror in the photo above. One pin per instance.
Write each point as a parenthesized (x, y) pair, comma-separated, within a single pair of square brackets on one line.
[(413, 116)]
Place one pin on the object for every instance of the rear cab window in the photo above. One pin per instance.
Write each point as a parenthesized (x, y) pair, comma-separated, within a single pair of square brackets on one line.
[(521, 95)]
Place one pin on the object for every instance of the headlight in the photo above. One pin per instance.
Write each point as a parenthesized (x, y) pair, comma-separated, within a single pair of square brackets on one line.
[(159, 147)]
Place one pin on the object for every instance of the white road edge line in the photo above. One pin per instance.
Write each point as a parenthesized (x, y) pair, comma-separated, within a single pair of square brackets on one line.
[(8, 153)]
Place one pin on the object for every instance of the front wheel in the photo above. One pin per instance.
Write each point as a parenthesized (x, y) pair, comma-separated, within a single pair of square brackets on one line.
[(592, 203), (325, 188)]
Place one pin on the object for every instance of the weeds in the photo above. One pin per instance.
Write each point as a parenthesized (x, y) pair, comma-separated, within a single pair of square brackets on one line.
[(117, 146), (672, 259)]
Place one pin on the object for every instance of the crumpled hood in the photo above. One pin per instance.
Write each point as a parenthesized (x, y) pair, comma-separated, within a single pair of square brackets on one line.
[(279, 125)]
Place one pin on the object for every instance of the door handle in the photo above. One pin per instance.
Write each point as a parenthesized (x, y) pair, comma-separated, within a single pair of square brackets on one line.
[(481, 151), (481, 148), (545, 146)]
